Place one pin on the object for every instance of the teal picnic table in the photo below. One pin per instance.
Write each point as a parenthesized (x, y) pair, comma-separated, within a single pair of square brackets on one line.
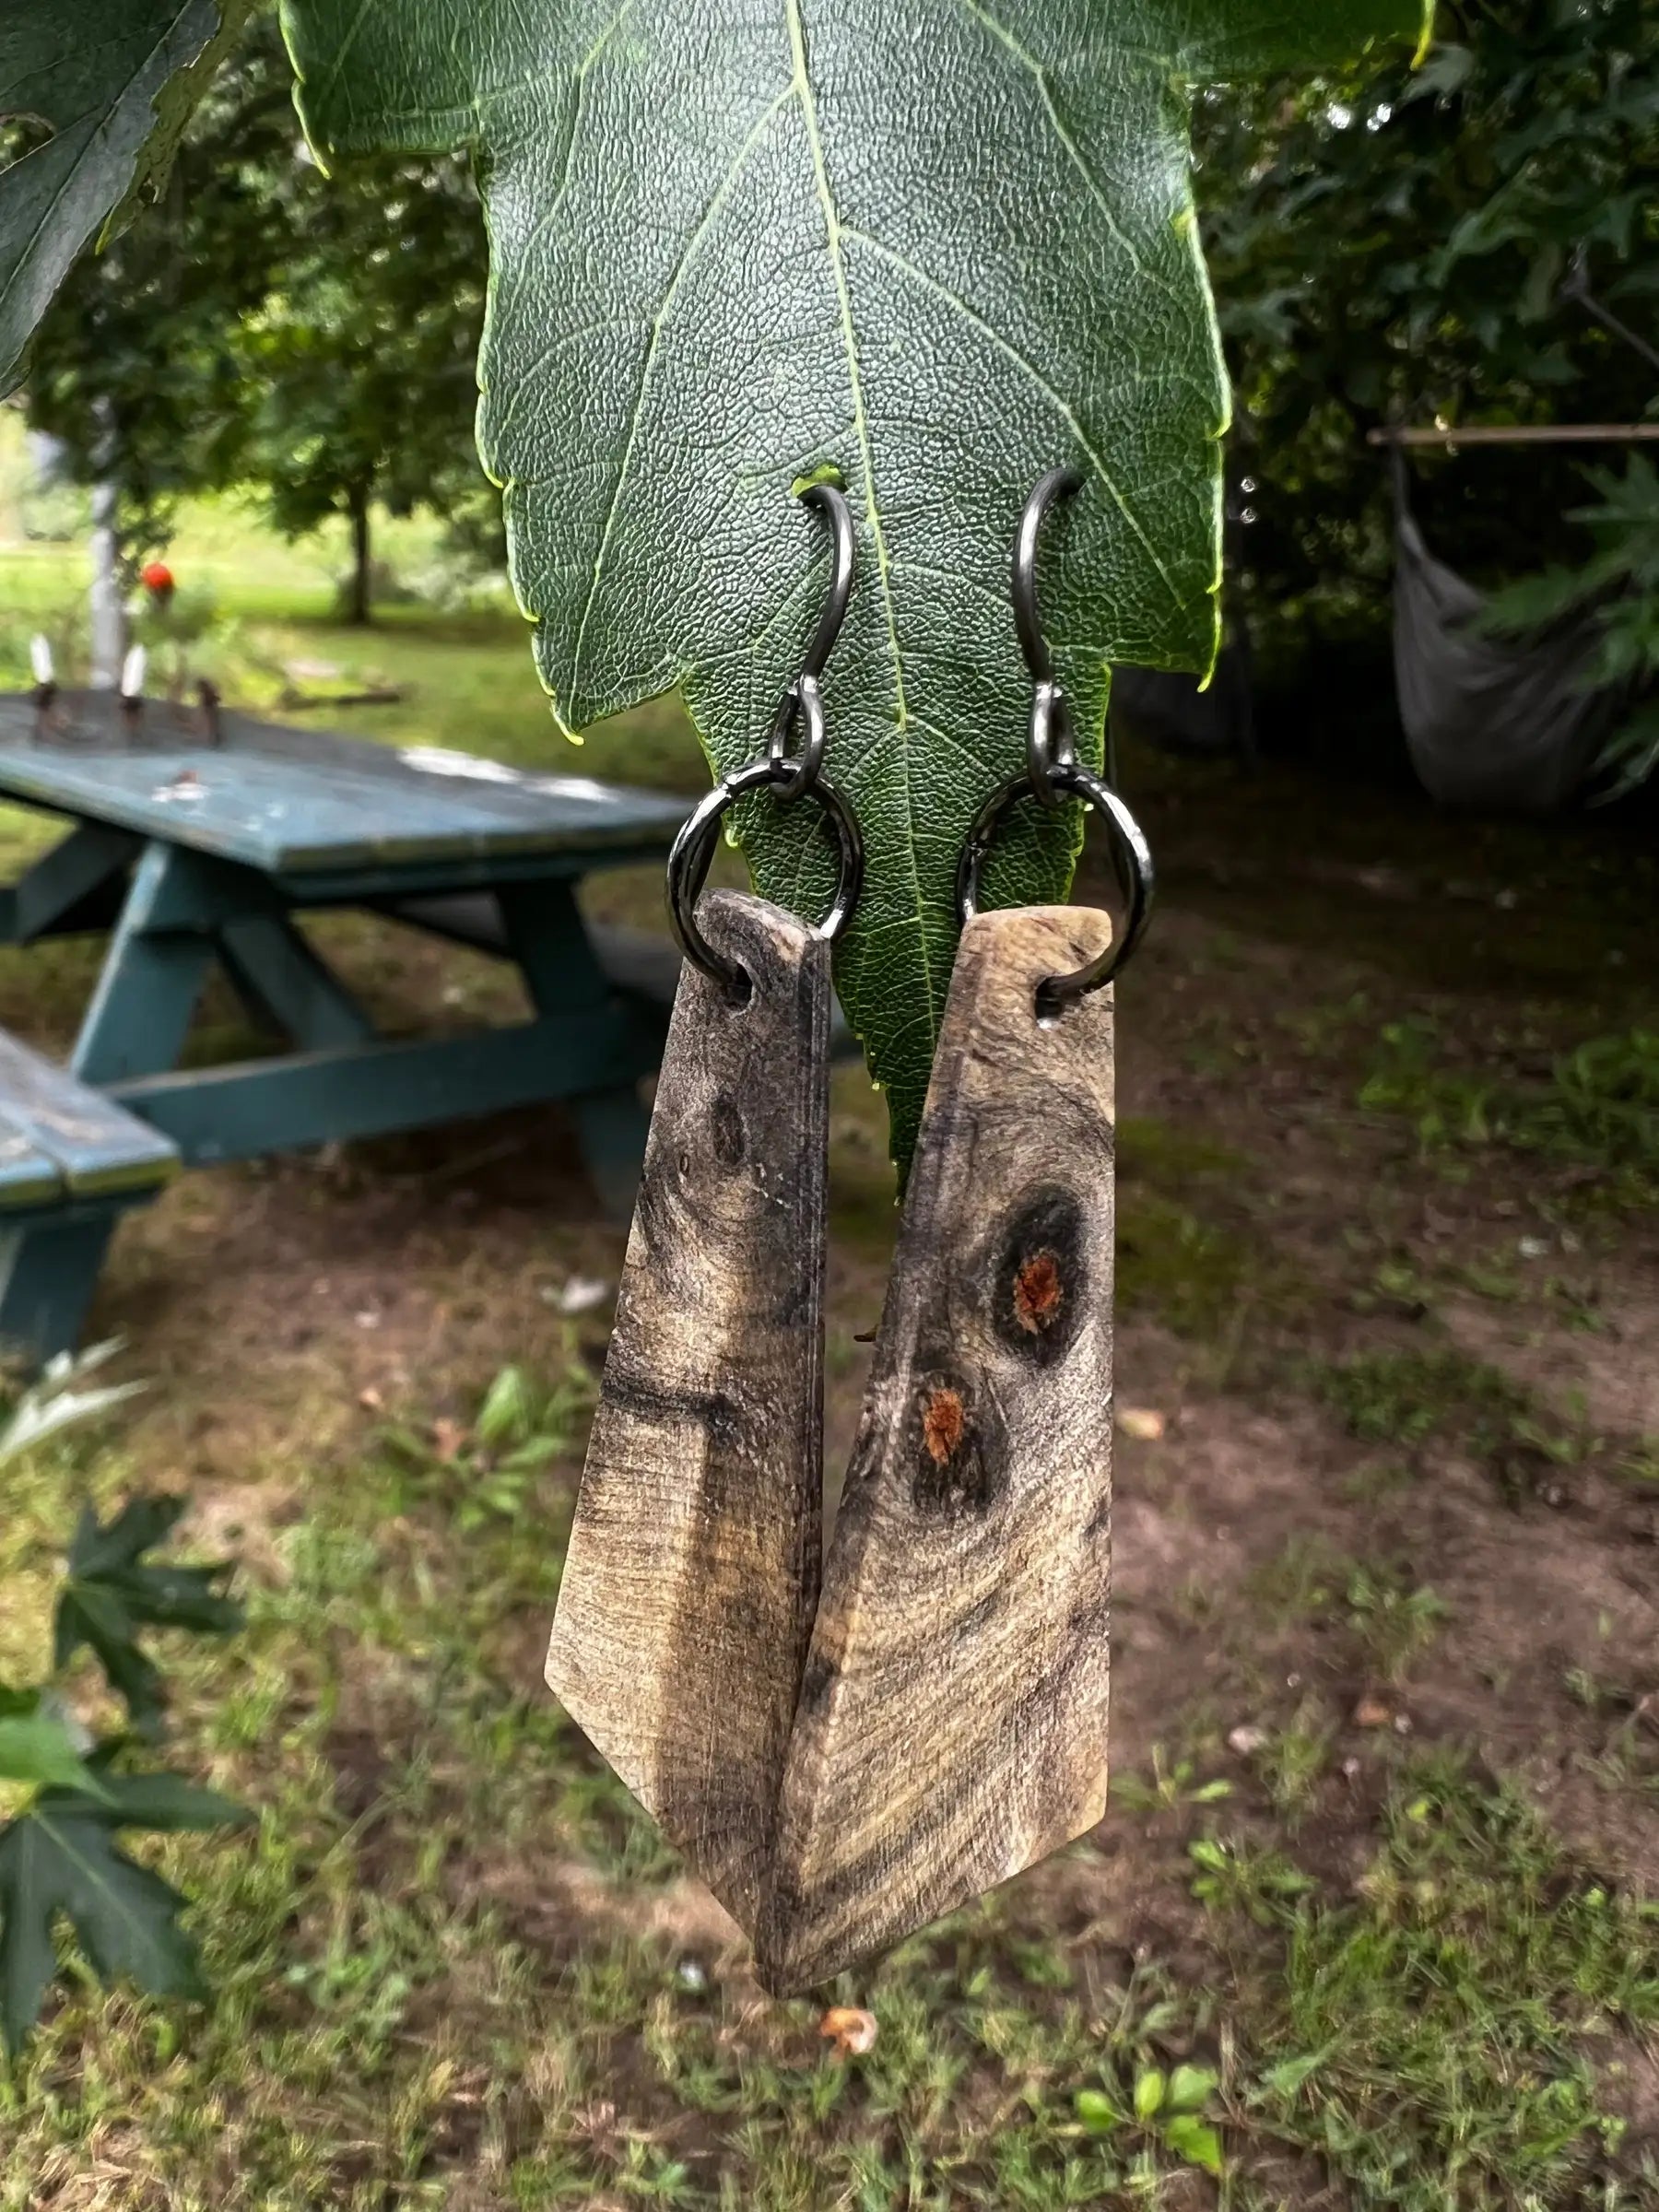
[(196, 838)]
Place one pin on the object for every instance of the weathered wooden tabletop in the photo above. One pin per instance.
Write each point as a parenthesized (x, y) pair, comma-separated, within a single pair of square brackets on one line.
[(292, 803), (199, 848)]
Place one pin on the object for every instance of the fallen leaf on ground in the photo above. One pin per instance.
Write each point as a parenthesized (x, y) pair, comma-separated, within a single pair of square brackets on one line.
[(1142, 1422), (852, 2030)]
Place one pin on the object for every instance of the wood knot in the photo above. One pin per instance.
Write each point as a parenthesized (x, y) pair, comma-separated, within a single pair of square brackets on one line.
[(944, 1425), (1039, 1293), (1040, 1287), (960, 1459)]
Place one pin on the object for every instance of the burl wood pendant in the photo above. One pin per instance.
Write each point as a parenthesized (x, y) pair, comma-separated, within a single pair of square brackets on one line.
[(843, 1768)]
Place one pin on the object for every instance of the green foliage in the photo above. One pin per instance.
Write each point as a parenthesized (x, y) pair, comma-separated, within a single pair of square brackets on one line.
[(1387, 242), (489, 1471), (1618, 586), (1167, 2108), (1600, 1108), (314, 338), (840, 244), (1429, 2037), (59, 1858), (112, 1591), (112, 82)]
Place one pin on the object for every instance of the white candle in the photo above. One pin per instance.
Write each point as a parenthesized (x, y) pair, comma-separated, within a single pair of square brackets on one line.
[(40, 658), (132, 673)]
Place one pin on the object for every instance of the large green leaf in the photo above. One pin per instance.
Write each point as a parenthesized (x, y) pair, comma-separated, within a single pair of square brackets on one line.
[(112, 1591), (940, 244), (37, 1747), (114, 82), (60, 1858)]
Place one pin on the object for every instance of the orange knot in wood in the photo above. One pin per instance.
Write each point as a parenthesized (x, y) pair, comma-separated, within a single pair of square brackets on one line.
[(944, 1424), (1039, 1293)]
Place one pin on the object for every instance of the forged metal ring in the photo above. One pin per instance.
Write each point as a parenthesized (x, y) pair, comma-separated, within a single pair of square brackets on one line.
[(804, 696), (1132, 859), (694, 849)]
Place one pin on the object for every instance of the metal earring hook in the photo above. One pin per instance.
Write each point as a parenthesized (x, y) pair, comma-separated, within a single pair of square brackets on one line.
[(1052, 742), (1053, 772), (804, 697), (788, 776)]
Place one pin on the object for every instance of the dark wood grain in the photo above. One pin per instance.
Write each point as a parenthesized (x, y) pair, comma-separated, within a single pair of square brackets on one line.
[(952, 1717), (691, 1580)]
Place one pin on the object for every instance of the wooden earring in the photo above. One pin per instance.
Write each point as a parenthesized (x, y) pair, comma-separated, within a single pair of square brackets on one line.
[(952, 1724), (843, 1767), (691, 1580)]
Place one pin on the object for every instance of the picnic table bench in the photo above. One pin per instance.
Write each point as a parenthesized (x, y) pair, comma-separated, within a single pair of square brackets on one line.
[(196, 839)]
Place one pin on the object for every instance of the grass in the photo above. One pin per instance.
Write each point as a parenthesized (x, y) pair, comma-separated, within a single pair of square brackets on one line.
[(1438, 1395), (453, 1942), (1598, 1111), (1431, 2037), (455, 1967)]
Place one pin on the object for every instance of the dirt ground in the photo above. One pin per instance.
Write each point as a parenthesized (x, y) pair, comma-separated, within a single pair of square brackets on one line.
[(1387, 1481)]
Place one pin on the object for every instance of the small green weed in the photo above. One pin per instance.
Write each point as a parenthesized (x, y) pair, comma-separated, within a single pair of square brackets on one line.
[(1600, 1108), (1409, 1397), (1431, 2038), (490, 1470), (1292, 1759), (1395, 1622), (1167, 1787)]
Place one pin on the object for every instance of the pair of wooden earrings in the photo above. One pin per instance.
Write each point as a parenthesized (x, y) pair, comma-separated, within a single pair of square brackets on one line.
[(847, 1746)]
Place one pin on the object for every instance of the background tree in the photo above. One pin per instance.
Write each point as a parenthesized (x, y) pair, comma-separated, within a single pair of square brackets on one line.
[(313, 337), (1390, 243)]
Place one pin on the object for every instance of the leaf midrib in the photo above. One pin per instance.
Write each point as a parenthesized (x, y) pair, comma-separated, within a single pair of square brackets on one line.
[(802, 82)]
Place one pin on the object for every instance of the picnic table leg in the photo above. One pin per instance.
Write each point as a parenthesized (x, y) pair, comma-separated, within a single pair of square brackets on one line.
[(135, 1026), (548, 938), (75, 886), (47, 1279), (152, 977), (282, 979)]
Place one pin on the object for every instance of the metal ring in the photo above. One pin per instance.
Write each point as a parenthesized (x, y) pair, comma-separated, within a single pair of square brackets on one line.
[(694, 850), (1131, 860), (805, 696), (1049, 743)]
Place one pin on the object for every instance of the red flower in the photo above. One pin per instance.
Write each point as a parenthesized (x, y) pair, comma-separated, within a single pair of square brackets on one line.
[(157, 579)]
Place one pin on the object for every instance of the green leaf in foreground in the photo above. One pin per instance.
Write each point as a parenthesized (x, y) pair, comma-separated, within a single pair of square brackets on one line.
[(113, 83), (943, 246), (35, 1746), (111, 1592), (60, 1859)]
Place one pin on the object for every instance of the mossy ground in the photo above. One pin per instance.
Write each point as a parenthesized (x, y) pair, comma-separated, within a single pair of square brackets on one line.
[(1388, 1589)]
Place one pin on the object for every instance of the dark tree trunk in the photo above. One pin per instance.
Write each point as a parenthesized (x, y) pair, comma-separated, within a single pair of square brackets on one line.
[(359, 606)]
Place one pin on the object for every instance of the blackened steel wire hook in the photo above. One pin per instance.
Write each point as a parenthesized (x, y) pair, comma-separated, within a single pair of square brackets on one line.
[(1054, 773), (804, 700)]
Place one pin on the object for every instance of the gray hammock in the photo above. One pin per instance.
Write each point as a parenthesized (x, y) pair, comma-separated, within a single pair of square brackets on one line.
[(1489, 723)]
